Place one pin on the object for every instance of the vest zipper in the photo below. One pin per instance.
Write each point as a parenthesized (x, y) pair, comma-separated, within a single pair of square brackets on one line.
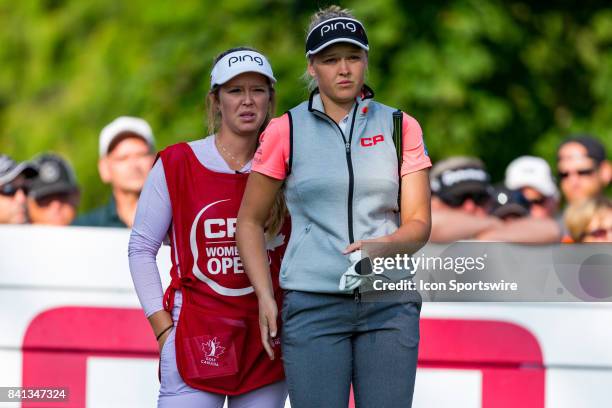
[(349, 163)]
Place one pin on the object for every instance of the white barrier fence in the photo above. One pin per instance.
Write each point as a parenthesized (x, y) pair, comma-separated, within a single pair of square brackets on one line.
[(69, 317)]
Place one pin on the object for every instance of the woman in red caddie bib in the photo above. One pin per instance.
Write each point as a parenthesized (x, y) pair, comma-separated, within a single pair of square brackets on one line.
[(206, 323)]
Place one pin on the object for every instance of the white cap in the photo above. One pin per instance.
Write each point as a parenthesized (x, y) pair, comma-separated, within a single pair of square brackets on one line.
[(530, 171), (239, 62), (125, 124), (9, 169)]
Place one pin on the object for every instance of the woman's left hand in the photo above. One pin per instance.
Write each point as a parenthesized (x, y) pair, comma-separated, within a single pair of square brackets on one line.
[(353, 247), (268, 313)]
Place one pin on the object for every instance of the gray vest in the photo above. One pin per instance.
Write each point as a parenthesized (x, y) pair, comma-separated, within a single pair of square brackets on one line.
[(341, 188)]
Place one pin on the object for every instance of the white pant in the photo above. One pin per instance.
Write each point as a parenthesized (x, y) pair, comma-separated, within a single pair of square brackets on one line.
[(173, 391)]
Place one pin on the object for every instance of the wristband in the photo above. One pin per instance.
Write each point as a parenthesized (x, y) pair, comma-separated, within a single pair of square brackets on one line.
[(163, 331)]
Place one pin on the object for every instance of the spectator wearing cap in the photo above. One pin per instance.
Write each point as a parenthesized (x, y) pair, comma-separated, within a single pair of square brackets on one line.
[(583, 168), (464, 207), (54, 195), (461, 193), (533, 177), (13, 190), (127, 152), (509, 204)]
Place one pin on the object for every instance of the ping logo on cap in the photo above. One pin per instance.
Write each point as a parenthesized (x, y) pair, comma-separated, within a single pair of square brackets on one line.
[(245, 57), (339, 24), (336, 30)]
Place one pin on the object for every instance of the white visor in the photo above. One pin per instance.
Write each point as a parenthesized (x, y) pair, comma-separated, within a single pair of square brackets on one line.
[(239, 62)]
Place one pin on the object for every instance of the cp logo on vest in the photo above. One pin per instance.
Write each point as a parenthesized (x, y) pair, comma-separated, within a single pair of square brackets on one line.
[(372, 141)]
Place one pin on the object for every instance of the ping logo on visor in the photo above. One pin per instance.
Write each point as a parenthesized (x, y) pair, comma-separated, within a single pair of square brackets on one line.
[(239, 62), (325, 28), (245, 57), (336, 30)]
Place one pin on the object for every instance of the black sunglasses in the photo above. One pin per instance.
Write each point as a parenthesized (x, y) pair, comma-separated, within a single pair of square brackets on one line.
[(537, 201), (480, 199), (582, 173), (10, 189), (598, 233)]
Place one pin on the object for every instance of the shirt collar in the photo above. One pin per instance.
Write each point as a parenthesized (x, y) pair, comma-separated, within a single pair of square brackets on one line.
[(111, 209)]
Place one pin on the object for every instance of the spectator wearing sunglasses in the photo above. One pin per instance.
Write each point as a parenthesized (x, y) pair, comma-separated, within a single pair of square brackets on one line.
[(466, 207), (14, 189), (583, 169), (533, 177), (54, 196), (590, 220), (461, 194)]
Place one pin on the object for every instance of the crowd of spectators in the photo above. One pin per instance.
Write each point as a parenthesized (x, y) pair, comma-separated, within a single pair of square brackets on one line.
[(45, 191), (526, 207)]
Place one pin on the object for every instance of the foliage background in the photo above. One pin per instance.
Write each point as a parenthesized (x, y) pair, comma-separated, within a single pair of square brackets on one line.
[(491, 78)]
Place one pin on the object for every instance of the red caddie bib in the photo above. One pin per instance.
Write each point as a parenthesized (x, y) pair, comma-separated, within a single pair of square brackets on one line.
[(218, 345)]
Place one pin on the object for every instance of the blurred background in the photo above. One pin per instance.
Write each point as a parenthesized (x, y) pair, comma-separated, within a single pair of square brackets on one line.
[(494, 80), (489, 79)]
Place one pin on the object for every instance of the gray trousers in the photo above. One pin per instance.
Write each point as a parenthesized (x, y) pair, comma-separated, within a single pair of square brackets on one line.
[(330, 341)]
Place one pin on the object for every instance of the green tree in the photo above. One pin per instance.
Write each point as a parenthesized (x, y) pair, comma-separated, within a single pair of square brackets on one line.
[(487, 78)]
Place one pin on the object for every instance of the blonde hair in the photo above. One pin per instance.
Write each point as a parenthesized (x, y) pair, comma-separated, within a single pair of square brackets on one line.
[(578, 216), (328, 13), (277, 216)]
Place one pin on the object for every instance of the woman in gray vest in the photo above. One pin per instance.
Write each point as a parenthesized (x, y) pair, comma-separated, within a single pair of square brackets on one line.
[(336, 158)]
